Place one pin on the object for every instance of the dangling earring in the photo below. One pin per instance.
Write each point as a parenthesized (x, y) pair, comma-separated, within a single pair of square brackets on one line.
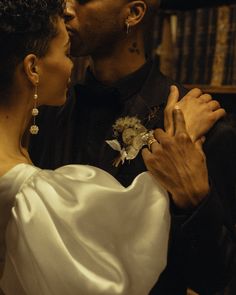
[(127, 27), (34, 129)]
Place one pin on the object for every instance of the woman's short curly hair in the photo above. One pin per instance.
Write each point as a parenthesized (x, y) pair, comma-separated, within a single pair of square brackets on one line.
[(26, 26)]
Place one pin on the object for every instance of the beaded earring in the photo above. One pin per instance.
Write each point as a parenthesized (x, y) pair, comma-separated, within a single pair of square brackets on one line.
[(127, 27), (34, 129)]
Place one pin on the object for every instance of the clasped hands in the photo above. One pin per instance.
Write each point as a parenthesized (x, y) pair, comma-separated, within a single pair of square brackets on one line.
[(177, 159)]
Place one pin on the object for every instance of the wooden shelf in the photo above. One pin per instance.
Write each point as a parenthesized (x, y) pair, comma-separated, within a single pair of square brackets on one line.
[(214, 89)]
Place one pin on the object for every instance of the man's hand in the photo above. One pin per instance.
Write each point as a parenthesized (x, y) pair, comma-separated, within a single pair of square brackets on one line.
[(200, 112), (178, 164)]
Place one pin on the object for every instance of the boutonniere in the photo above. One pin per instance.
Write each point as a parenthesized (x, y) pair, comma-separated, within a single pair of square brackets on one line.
[(130, 136)]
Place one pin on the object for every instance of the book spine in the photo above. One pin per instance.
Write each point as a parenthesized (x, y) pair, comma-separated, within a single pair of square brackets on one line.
[(157, 34), (167, 58), (187, 47), (227, 76), (232, 77), (211, 43), (179, 45), (223, 24), (200, 44)]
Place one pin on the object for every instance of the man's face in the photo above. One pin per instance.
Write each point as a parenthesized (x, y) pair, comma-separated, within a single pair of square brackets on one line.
[(95, 26)]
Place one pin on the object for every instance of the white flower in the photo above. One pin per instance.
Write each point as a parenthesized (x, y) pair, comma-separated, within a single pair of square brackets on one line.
[(133, 135)]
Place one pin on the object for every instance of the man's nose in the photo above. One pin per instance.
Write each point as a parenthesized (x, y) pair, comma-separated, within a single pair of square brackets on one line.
[(69, 12)]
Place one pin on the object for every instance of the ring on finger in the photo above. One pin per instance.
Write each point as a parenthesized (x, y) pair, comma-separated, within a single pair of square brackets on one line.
[(150, 141)]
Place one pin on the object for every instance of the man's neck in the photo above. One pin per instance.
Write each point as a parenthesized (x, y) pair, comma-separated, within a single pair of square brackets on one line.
[(120, 63)]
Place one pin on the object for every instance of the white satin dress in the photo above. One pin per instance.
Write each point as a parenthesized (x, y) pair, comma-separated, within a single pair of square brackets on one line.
[(77, 231)]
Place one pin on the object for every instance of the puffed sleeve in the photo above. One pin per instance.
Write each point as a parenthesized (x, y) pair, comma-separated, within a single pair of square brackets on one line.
[(76, 230)]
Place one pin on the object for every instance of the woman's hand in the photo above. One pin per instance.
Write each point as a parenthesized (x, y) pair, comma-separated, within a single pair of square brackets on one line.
[(199, 110)]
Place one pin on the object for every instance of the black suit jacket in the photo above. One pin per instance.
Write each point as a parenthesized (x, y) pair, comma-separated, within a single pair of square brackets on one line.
[(202, 245)]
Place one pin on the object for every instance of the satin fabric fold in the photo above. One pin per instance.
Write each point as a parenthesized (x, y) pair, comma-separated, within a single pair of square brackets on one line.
[(76, 230)]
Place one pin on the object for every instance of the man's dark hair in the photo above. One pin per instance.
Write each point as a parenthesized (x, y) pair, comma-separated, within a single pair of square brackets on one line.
[(26, 26)]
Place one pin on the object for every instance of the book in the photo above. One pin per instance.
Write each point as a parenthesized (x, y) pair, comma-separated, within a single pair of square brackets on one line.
[(233, 49), (157, 34), (227, 77), (178, 53), (167, 57), (210, 44), (221, 46), (187, 47)]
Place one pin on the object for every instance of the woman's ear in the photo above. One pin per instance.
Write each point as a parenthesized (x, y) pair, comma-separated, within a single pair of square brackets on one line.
[(31, 68), (137, 10)]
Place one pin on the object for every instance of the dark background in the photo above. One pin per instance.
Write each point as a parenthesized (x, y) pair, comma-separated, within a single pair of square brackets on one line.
[(188, 4)]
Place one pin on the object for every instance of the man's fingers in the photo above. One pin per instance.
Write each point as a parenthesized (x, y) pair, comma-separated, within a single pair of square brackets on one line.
[(146, 153), (179, 122), (199, 143), (155, 147), (147, 157), (171, 101), (160, 135)]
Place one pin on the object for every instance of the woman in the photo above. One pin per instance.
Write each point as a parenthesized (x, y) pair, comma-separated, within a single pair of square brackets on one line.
[(75, 230)]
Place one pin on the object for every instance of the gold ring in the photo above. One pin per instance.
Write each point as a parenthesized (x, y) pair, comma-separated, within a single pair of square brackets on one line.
[(150, 141)]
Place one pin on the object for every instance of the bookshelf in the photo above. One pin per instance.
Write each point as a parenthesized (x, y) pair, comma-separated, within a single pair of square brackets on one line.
[(209, 23), (198, 14)]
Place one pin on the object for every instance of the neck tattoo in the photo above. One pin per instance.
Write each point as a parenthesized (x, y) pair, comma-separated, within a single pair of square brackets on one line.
[(134, 48)]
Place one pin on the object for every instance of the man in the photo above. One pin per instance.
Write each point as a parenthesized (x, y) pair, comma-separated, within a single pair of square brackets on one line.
[(123, 83)]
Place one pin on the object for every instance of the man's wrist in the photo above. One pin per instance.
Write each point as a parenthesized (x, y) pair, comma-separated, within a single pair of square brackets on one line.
[(189, 199)]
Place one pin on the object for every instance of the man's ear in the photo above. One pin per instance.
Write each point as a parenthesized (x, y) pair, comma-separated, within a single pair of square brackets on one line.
[(30, 65), (136, 12)]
